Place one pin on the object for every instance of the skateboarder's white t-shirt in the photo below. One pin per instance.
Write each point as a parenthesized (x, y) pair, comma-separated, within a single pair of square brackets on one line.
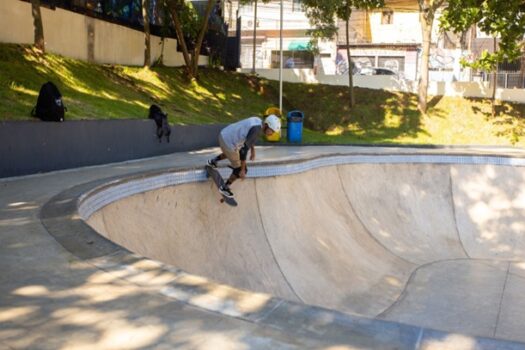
[(234, 135)]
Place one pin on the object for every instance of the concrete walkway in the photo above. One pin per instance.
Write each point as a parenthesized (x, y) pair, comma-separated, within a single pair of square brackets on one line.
[(56, 298)]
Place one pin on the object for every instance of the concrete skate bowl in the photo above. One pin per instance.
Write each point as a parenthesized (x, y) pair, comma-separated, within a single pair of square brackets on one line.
[(425, 240)]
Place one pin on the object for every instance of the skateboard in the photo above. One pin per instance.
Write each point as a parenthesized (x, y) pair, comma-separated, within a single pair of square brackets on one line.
[(219, 181)]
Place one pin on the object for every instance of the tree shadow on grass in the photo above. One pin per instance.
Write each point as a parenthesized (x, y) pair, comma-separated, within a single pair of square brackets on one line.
[(434, 101), (378, 116), (509, 119), (106, 91)]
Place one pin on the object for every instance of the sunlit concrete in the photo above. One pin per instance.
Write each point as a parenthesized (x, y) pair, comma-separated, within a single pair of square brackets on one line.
[(379, 260), (422, 244)]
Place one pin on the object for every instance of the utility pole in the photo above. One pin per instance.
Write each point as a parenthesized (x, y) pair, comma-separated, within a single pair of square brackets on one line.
[(281, 61), (254, 36)]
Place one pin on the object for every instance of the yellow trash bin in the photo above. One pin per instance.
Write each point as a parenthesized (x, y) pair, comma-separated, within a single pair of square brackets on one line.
[(276, 136)]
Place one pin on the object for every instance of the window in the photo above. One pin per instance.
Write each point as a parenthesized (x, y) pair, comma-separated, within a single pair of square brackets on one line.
[(396, 64), (249, 23), (387, 17), (297, 5), (363, 61), (293, 59), (128, 11)]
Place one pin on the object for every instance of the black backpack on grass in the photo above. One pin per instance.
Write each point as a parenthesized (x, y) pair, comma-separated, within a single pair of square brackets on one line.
[(161, 119), (49, 106)]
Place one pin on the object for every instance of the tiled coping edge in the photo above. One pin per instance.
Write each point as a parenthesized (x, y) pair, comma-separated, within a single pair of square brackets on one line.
[(100, 197)]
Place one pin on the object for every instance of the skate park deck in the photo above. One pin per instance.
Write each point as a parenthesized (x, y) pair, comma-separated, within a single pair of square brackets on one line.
[(330, 247)]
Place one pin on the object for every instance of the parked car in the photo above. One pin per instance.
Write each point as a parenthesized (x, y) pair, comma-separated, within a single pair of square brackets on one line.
[(376, 71)]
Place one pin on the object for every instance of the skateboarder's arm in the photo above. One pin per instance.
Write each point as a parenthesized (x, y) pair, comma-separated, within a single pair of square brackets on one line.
[(249, 143), (242, 174)]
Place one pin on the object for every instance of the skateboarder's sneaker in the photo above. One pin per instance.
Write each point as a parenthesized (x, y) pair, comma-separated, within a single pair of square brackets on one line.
[(212, 163), (225, 191)]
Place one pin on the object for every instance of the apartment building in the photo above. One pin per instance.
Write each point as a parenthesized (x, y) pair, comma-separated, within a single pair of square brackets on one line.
[(390, 37), (267, 34)]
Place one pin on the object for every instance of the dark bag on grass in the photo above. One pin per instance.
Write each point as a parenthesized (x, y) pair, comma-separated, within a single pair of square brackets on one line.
[(49, 106), (161, 119)]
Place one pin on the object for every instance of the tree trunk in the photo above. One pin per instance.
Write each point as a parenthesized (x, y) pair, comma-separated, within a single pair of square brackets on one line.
[(39, 28), (470, 47), (426, 17), (147, 36), (200, 38), (522, 68), (254, 36), (180, 38), (494, 80), (160, 60), (90, 22), (350, 70)]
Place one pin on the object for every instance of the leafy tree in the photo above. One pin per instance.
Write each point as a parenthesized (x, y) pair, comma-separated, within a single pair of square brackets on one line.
[(37, 23), (323, 15), (427, 13), (502, 19), (190, 29)]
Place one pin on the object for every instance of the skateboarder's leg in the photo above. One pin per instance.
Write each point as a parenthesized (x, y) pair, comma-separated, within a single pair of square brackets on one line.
[(226, 188), (234, 175), (234, 158), (231, 179), (213, 162)]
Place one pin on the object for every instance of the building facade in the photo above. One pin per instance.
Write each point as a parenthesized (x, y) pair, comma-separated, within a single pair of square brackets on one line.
[(265, 27), (390, 37)]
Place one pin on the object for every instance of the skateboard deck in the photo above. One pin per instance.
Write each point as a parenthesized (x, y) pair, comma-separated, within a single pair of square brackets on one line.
[(219, 181)]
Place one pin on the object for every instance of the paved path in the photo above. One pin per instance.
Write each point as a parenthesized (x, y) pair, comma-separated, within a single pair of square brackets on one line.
[(53, 298)]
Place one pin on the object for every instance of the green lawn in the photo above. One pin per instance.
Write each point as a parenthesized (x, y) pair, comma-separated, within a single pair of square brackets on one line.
[(392, 117), (380, 117), (117, 92)]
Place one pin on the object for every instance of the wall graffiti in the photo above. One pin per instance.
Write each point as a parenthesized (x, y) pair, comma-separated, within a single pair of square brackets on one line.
[(441, 59), (394, 63)]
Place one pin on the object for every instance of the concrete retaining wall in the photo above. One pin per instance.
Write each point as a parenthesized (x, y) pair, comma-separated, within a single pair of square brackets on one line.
[(392, 83), (74, 35), (34, 147)]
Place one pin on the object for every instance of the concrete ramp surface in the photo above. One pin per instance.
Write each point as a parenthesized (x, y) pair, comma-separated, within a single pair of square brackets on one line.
[(433, 245)]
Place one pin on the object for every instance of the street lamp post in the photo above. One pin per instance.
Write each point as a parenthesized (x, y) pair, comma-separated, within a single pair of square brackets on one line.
[(254, 35), (281, 61)]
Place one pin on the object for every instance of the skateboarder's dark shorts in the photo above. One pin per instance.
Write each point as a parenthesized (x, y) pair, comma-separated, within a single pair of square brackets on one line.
[(232, 155)]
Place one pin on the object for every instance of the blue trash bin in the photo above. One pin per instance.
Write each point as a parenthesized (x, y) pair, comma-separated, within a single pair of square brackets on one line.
[(295, 126)]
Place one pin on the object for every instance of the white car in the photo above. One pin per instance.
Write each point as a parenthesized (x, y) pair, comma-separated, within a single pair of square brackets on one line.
[(376, 71)]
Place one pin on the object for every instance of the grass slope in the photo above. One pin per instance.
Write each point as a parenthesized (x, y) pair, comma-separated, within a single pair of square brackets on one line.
[(392, 117), (117, 92), (93, 91)]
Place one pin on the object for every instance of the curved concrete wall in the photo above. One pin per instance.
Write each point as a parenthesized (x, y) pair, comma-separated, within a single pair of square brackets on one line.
[(428, 243), (271, 243)]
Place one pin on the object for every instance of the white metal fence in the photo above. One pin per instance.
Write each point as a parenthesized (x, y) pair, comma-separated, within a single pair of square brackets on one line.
[(506, 80)]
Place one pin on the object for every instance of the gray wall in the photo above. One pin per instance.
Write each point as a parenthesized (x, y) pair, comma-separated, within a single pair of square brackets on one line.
[(33, 146)]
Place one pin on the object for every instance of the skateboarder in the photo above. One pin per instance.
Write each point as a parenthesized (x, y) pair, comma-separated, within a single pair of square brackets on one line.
[(236, 139)]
